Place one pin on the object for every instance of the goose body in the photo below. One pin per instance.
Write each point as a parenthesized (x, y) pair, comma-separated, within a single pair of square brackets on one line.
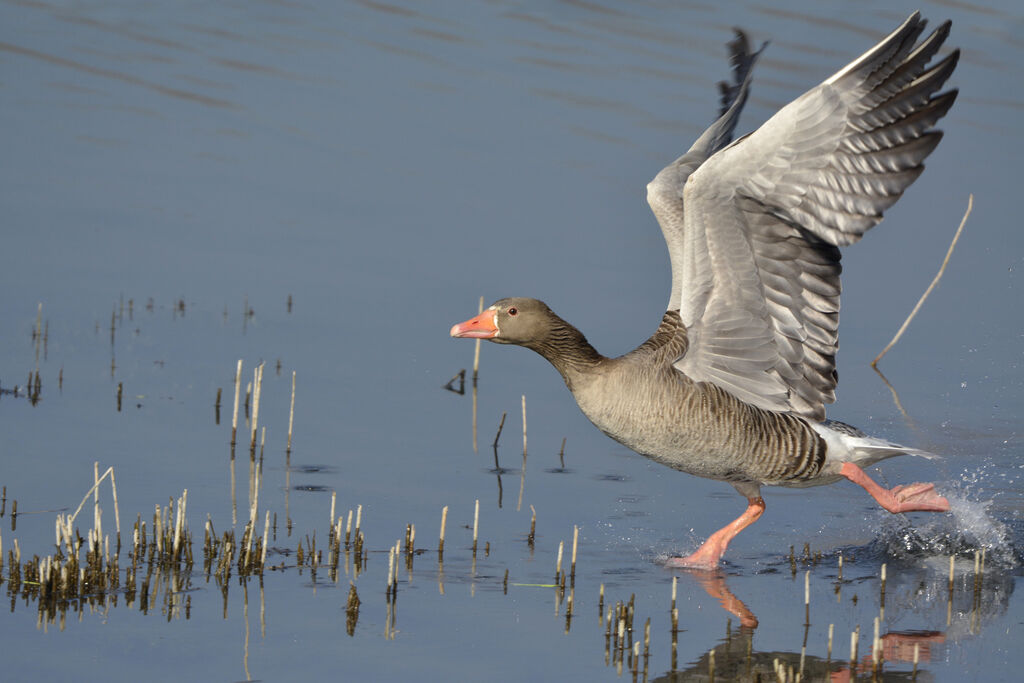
[(733, 383)]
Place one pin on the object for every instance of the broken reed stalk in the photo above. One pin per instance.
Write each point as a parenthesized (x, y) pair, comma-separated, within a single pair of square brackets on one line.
[(95, 500), (572, 566), (391, 571), (179, 524), (476, 524), (234, 414), (476, 350), (444, 521), (253, 513), (935, 281), (524, 426), (882, 591), (979, 571), (410, 538), (257, 390), (394, 577), (533, 527), (807, 598), (291, 416), (158, 529), (263, 550)]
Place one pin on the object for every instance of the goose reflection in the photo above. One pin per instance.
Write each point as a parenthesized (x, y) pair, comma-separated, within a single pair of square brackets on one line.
[(736, 659), (714, 585), (915, 591)]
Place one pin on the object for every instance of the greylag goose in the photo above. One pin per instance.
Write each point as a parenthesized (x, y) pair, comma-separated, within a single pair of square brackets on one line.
[(733, 384)]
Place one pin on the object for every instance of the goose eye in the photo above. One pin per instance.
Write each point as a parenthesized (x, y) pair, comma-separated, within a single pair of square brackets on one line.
[(513, 311)]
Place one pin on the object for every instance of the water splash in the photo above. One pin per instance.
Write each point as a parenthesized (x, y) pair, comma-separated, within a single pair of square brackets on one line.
[(969, 527)]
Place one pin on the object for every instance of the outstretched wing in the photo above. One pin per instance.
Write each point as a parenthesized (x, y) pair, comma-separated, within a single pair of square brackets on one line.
[(753, 232), (719, 134)]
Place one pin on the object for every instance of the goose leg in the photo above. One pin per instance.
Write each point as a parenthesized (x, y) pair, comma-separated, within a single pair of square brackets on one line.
[(900, 498), (707, 555)]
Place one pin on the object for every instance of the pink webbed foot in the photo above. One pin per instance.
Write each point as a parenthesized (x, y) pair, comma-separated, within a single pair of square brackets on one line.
[(919, 497), (910, 498), (708, 555)]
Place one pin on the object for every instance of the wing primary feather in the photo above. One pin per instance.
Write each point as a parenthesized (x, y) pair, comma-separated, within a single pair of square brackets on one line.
[(754, 227)]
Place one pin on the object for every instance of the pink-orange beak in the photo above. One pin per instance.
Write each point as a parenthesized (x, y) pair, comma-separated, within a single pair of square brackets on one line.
[(484, 326)]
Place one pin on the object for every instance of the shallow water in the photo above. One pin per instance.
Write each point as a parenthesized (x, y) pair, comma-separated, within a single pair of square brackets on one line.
[(174, 175)]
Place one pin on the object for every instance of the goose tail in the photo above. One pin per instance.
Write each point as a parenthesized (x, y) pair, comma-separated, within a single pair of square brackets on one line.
[(848, 444)]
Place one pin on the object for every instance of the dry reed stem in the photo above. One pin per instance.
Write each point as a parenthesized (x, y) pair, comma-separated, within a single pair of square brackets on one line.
[(575, 540), (524, 426), (935, 281), (257, 390), (97, 520), (476, 350), (110, 470), (238, 386), (291, 413), (533, 527), (444, 520), (476, 524), (117, 513), (179, 523)]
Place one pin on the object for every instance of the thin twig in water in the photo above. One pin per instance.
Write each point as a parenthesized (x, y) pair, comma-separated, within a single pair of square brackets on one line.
[(501, 425), (895, 397), (935, 281)]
